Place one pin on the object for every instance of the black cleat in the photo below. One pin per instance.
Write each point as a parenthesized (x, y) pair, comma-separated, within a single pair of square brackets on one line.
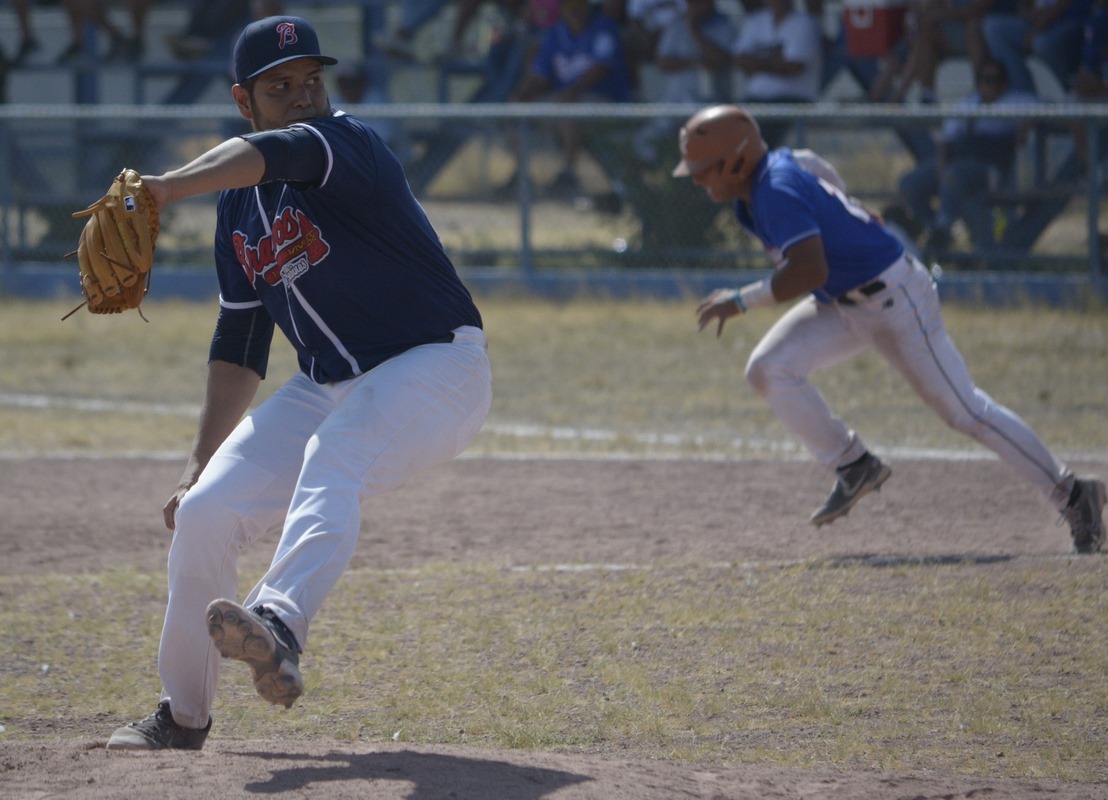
[(1085, 515), (855, 481), (159, 732)]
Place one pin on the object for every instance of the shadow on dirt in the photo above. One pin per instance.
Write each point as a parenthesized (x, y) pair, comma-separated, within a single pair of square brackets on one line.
[(431, 775), (885, 560)]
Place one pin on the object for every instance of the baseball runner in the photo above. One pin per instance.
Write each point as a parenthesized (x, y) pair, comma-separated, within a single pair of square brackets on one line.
[(857, 290), (318, 234)]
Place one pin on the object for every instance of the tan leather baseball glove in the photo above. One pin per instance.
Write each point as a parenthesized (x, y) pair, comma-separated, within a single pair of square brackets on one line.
[(116, 249)]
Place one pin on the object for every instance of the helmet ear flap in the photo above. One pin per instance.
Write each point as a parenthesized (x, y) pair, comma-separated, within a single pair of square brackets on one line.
[(748, 154), (734, 163), (724, 134)]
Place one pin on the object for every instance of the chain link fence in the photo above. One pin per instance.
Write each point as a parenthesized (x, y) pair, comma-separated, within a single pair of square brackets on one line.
[(488, 175)]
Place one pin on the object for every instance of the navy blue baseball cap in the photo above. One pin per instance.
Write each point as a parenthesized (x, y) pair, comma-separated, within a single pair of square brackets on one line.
[(267, 42)]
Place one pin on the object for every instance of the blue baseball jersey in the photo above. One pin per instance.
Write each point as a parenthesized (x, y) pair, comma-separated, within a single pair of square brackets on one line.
[(348, 267), (788, 205)]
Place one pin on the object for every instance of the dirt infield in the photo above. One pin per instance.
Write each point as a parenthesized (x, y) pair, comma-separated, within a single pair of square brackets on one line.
[(515, 513)]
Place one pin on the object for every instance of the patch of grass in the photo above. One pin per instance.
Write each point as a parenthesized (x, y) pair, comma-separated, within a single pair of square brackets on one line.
[(584, 377), (982, 669)]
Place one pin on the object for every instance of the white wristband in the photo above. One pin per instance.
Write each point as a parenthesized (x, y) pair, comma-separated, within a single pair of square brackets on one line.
[(757, 295)]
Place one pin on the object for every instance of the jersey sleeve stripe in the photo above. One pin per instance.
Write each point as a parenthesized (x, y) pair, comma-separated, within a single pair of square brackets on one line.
[(223, 303), (800, 237), (326, 149)]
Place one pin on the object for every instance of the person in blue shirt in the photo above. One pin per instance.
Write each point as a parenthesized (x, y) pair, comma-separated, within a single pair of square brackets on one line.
[(580, 59), (973, 157), (1050, 30), (319, 235), (854, 288), (1091, 82)]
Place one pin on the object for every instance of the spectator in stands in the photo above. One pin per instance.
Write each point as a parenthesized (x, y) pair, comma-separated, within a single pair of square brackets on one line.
[(540, 14), (580, 59), (694, 46), (1091, 80), (974, 156), (399, 42), (1050, 30), (28, 43), (83, 13), (214, 26), (935, 30), (361, 82), (211, 24), (1091, 86), (641, 23), (780, 50), (530, 19)]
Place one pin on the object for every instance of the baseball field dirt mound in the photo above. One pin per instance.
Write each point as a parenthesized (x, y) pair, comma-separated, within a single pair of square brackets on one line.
[(250, 769), (83, 515)]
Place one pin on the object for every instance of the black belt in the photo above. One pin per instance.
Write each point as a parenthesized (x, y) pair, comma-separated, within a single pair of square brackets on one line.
[(866, 290)]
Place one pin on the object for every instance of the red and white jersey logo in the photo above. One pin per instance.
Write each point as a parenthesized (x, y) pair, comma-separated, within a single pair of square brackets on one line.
[(294, 246)]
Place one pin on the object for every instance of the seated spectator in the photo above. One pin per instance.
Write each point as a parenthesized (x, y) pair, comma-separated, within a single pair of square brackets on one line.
[(94, 13), (780, 50), (935, 30), (974, 156), (641, 23), (695, 45), (1091, 86), (399, 42), (530, 19), (211, 24), (1091, 80), (28, 43), (580, 59), (211, 30), (1050, 30), (361, 82)]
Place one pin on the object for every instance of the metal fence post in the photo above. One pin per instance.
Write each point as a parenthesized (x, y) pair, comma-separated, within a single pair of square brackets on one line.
[(1095, 172), (6, 202), (523, 168)]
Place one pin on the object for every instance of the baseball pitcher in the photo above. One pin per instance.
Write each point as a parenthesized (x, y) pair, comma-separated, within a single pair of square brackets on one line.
[(318, 234)]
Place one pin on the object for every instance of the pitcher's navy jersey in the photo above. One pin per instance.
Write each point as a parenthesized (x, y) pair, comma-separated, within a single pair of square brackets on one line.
[(788, 205), (350, 269)]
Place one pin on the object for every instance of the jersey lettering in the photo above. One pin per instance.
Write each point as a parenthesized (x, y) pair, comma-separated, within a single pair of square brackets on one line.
[(849, 203), (294, 246)]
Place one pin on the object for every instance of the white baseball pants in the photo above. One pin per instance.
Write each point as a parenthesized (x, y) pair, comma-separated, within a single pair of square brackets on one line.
[(304, 460), (903, 323)]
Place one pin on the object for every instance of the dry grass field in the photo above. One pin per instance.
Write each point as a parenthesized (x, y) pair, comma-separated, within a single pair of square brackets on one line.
[(613, 594)]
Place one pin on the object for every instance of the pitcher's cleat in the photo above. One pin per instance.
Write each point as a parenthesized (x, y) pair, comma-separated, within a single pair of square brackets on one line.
[(262, 641), (855, 481), (159, 732)]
